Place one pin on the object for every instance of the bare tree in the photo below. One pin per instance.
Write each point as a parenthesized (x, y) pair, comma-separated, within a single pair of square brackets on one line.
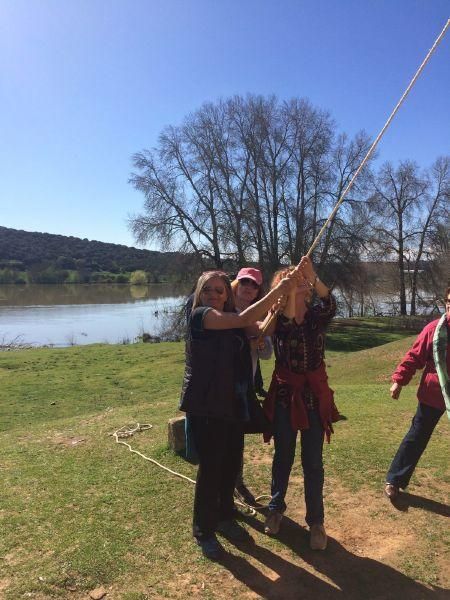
[(264, 135), (249, 179), (310, 142), (402, 201), (434, 212), (179, 207), (346, 227)]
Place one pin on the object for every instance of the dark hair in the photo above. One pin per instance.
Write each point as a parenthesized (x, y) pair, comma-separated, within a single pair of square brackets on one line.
[(229, 305)]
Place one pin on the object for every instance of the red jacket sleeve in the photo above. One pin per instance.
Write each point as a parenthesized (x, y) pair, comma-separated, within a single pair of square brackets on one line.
[(416, 357)]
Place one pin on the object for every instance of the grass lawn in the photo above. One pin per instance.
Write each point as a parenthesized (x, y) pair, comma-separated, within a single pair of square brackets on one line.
[(79, 512)]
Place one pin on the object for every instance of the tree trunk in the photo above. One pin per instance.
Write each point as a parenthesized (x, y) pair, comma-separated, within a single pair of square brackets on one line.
[(401, 275)]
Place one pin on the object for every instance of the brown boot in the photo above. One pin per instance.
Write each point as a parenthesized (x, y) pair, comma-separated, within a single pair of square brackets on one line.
[(273, 522), (318, 539)]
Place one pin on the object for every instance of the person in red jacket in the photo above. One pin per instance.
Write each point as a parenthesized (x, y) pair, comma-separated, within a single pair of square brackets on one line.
[(430, 408)]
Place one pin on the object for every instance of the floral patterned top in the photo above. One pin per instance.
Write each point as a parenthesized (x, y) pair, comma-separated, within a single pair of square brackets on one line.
[(301, 348)]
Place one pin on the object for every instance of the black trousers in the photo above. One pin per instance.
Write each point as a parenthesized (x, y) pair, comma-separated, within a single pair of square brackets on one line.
[(219, 446)]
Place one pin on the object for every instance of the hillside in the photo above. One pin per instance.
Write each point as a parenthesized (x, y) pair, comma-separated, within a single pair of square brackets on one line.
[(47, 258)]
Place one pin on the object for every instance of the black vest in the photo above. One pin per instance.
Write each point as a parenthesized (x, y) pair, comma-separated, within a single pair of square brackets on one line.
[(216, 361)]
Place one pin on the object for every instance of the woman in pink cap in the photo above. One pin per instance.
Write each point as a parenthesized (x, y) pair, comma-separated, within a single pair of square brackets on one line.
[(247, 289)]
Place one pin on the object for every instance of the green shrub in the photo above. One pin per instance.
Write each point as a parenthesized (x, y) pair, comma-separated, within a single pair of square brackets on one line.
[(122, 278), (6, 276), (138, 278)]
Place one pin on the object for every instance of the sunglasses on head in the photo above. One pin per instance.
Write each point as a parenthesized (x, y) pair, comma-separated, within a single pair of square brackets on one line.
[(249, 282)]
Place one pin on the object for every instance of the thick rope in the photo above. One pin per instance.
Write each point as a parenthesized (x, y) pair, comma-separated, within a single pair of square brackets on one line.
[(273, 315), (128, 431), (379, 136)]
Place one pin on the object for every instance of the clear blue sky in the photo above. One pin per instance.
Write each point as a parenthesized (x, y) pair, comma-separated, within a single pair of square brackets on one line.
[(86, 83)]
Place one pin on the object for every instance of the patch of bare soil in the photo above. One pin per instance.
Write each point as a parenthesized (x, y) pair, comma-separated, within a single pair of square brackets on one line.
[(69, 441), (4, 585), (97, 418), (371, 542), (259, 456)]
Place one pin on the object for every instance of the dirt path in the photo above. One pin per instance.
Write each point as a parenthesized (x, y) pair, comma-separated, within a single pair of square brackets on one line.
[(371, 546)]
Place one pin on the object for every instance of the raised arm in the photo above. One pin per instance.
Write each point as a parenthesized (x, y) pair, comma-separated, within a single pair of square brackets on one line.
[(307, 267), (215, 319)]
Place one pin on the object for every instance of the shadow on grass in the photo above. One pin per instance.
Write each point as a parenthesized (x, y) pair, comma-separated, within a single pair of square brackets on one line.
[(342, 574), (406, 500), (352, 335), (349, 339)]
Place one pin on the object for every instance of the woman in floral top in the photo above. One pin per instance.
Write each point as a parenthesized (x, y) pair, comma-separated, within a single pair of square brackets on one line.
[(300, 399)]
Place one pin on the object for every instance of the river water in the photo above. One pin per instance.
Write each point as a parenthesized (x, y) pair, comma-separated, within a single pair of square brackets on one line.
[(64, 315)]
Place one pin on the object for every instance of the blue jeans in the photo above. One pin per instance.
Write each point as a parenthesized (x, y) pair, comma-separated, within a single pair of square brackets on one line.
[(413, 445), (311, 455)]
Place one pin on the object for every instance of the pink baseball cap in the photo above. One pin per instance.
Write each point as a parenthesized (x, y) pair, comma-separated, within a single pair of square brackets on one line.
[(250, 273)]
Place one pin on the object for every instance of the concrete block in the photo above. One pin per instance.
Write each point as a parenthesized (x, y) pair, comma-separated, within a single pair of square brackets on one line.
[(177, 438)]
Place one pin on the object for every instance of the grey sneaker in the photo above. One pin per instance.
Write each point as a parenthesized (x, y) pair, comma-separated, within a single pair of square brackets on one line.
[(318, 539), (273, 521)]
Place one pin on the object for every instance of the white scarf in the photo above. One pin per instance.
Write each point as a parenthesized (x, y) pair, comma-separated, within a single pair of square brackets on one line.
[(440, 343)]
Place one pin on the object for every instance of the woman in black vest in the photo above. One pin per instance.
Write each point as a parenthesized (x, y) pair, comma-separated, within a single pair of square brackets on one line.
[(217, 394)]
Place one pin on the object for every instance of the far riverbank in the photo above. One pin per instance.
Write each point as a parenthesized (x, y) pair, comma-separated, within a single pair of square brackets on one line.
[(66, 315)]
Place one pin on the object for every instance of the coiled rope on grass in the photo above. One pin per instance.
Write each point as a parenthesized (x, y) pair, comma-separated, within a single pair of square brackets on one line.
[(127, 431)]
